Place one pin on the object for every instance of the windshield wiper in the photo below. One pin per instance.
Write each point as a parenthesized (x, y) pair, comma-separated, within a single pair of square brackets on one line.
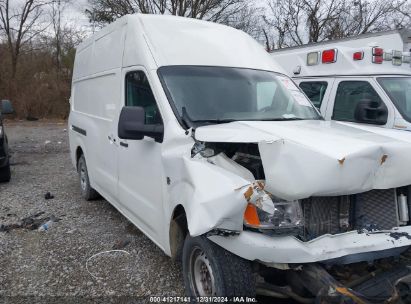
[(192, 123), (283, 119), (216, 121)]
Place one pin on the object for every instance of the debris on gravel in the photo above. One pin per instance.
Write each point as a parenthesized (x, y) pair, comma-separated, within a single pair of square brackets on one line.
[(50, 266)]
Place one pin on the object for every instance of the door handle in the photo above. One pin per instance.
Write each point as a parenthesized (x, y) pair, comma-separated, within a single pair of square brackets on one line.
[(124, 144), (111, 139)]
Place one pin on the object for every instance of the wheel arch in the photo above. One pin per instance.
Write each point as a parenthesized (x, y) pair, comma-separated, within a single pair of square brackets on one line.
[(177, 232), (79, 153)]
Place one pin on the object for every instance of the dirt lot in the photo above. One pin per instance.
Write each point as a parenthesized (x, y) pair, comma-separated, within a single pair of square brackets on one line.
[(50, 266)]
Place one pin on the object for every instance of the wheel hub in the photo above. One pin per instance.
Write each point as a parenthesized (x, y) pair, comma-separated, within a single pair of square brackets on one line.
[(201, 273)]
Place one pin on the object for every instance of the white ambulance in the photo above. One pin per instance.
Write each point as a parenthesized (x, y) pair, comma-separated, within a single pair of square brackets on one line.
[(365, 79)]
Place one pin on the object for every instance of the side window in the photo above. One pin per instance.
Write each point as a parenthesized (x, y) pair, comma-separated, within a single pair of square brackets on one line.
[(139, 94), (315, 90), (349, 94)]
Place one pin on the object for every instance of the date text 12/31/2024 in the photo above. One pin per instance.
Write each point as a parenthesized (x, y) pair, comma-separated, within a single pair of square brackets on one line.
[(203, 300)]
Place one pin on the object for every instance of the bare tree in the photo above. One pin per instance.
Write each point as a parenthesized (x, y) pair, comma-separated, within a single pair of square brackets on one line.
[(284, 21), (362, 16), (56, 10), (222, 11), (320, 14), (19, 22), (296, 22)]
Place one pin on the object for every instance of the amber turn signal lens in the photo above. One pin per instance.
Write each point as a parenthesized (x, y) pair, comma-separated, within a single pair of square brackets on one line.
[(251, 216)]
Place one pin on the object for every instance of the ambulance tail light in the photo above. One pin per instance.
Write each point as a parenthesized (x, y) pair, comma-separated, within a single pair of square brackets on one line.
[(329, 56), (377, 55), (358, 55)]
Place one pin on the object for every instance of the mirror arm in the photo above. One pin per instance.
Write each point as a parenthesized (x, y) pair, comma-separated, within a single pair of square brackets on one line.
[(153, 131)]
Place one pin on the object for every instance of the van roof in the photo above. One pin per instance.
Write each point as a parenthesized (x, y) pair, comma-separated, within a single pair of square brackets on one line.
[(175, 40), (294, 60)]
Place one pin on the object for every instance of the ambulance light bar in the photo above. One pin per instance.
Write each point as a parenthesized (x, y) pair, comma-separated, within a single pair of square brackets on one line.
[(396, 54), (377, 55), (358, 55), (312, 58), (376, 51), (329, 56), (387, 56), (396, 57)]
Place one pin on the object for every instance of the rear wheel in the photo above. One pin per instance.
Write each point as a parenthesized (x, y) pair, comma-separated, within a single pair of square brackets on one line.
[(86, 190), (5, 173), (210, 270)]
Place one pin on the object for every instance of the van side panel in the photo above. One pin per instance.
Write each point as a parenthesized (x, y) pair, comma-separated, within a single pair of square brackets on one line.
[(100, 90), (96, 103), (108, 51), (82, 63)]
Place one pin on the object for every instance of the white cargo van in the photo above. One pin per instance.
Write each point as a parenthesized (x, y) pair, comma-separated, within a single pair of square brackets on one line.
[(364, 79), (193, 133)]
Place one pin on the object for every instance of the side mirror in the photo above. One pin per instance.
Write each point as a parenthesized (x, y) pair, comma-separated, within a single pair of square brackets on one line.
[(6, 107), (371, 112), (131, 125)]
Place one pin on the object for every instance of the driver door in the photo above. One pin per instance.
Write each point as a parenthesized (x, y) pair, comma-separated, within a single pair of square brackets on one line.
[(140, 164)]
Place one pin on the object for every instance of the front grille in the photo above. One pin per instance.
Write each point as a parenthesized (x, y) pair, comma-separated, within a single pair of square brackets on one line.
[(375, 209), (320, 216)]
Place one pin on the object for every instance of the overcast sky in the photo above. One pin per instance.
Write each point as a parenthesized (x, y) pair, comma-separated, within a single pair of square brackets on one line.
[(74, 13)]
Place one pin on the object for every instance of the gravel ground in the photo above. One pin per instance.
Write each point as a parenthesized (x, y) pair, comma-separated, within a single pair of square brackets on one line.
[(50, 266)]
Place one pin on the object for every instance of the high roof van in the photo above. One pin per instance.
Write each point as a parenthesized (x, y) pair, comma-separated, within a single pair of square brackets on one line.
[(195, 135)]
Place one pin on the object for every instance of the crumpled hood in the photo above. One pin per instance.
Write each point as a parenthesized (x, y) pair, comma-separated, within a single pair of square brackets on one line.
[(320, 158)]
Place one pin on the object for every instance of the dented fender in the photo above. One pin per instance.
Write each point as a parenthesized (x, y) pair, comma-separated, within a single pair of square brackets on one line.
[(212, 197)]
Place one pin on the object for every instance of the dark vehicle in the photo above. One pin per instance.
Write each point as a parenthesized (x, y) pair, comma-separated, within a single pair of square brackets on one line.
[(5, 174)]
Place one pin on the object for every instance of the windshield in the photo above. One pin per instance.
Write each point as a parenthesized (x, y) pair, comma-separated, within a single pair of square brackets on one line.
[(399, 90), (223, 94)]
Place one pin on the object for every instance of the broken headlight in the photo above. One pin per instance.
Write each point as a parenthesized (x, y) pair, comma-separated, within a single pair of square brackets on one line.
[(266, 212)]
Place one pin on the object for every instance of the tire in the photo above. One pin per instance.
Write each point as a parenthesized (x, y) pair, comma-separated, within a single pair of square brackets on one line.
[(5, 173), (87, 191), (226, 274)]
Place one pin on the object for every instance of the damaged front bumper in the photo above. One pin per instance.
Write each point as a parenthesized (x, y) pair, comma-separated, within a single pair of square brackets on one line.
[(348, 247), (351, 267)]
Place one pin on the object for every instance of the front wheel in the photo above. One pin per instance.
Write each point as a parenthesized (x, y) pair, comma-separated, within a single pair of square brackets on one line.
[(5, 173), (210, 270)]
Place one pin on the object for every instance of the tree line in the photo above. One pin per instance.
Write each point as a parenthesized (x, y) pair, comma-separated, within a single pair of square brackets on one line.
[(37, 43)]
